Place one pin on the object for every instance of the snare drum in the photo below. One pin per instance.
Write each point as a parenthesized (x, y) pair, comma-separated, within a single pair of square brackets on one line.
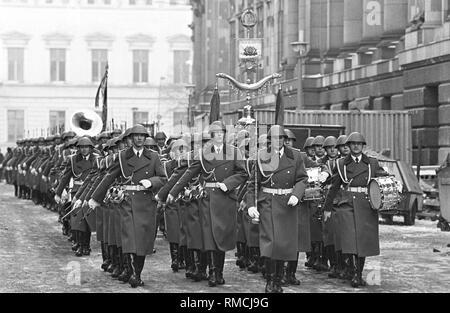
[(384, 194)]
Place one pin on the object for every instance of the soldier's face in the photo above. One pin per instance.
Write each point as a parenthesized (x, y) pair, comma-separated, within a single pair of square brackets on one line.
[(161, 142), (138, 140), (344, 150), (310, 151), (277, 142), (319, 151), (332, 152), (289, 143), (356, 148), (218, 137), (85, 150)]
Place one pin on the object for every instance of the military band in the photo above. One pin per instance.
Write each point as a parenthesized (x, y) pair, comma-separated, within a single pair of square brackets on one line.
[(213, 195)]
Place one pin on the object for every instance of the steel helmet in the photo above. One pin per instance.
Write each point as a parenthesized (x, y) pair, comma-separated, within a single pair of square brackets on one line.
[(69, 134), (84, 141), (290, 134), (276, 131), (341, 140), (216, 127), (308, 143), (116, 132), (330, 142), (318, 141), (126, 133), (356, 137), (139, 130), (105, 135), (149, 141), (160, 135)]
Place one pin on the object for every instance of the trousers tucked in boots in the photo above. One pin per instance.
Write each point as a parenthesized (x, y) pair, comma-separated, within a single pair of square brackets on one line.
[(240, 261), (113, 255), (358, 266), (182, 255), (173, 247), (137, 264), (290, 270), (253, 260), (190, 265), (127, 270), (201, 262), (274, 273), (321, 263), (119, 268)]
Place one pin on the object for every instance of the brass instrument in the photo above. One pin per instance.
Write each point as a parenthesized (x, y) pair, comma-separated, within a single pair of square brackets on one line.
[(86, 123)]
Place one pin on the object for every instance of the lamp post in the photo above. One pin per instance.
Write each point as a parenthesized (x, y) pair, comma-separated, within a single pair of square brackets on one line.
[(301, 48)]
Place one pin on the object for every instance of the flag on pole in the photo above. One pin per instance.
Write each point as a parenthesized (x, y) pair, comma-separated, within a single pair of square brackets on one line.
[(215, 106), (102, 91), (279, 109)]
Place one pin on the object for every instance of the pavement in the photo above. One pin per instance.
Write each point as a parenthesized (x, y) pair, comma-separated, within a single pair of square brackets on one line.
[(36, 257)]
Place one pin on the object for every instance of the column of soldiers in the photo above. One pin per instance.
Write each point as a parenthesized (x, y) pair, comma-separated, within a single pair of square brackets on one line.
[(208, 196)]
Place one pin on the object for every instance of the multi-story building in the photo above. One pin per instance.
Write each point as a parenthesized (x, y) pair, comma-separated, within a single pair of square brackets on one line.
[(363, 54), (53, 55)]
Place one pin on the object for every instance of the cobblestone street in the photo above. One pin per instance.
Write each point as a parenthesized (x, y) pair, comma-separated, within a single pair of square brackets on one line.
[(35, 257)]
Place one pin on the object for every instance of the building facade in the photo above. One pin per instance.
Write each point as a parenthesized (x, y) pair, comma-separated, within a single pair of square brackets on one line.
[(363, 55), (53, 54)]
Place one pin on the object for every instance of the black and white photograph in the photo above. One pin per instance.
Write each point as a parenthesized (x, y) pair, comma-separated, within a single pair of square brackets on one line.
[(224, 150)]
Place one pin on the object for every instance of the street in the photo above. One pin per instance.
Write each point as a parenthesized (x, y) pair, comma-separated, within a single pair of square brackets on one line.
[(36, 257)]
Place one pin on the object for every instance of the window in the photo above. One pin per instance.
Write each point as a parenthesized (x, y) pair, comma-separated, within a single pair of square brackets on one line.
[(57, 65), (140, 66), (57, 119), (15, 64), (181, 66), (99, 61), (140, 117), (15, 125)]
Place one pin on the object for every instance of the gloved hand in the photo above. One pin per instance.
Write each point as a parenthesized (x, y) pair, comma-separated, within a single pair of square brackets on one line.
[(93, 204), (326, 215), (77, 204), (170, 199), (323, 177), (146, 183), (293, 201), (253, 212), (223, 187), (57, 199)]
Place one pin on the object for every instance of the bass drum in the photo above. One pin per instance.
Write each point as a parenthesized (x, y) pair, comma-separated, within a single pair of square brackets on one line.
[(384, 194)]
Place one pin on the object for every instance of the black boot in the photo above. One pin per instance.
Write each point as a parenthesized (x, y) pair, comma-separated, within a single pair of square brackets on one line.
[(87, 243), (253, 260), (348, 267), (361, 262), (321, 264), (335, 262), (279, 270), (137, 264), (80, 240), (291, 269), (127, 270), (174, 256), (112, 254), (106, 257), (262, 265), (182, 255), (190, 265), (201, 262), (76, 241), (240, 261), (220, 257), (355, 283), (119, 269), (270, 275), (212, 262), (311, 256)]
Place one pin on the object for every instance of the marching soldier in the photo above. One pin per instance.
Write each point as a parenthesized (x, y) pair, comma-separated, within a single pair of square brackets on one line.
[(222, 171), (161, 138), (78, 168), (309, 149), (280, 177), (141, 174), (358, 221)]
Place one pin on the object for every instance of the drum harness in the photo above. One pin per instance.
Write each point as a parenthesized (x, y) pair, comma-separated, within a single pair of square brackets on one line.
[(348, 182)]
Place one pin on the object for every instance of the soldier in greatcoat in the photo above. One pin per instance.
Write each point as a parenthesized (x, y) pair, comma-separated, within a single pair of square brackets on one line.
[(141, 175), (358, 221)]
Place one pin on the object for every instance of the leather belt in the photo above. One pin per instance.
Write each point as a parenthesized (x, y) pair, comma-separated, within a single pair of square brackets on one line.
[(133, 188), (211, 185), (278, 192), (358, 189)]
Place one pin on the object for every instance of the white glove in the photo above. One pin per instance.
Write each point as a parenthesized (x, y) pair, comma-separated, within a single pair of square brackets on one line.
[(326, 215), (44, 178), (157, 199), (323, 177), (146, 183), (57, 199), (253, 212), (170, 199), (77, 204), (293, 201), (93, 204), (85, 203), (222, 187)]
